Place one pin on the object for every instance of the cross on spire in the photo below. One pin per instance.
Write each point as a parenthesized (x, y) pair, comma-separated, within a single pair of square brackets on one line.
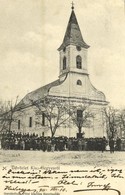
[(73, 35), (72, 6)]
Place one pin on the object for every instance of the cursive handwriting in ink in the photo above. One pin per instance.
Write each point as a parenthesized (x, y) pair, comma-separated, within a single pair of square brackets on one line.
[(103, 186), (96, 190), (21, 191), (54, 172), (65, 182)]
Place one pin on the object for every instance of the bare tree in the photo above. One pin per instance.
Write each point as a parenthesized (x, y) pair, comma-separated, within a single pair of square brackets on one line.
[(9, 113), (82, 116), (121, 119), (56, 112), (112, 121)]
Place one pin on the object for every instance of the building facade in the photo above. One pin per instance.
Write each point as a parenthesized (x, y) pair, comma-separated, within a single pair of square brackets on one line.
[(73, 85)]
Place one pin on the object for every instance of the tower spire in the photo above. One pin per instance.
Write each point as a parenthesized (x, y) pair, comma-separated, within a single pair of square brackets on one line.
[(73, 34)]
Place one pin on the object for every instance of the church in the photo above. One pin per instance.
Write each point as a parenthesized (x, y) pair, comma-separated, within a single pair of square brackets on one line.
[(72, 84)]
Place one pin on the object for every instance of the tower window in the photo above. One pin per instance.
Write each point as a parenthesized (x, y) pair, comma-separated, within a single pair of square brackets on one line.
[(43, 119), (64, 63), (78, 48), (79, 62), (79, 82), (18, 124), (30, 122), (64, 49)]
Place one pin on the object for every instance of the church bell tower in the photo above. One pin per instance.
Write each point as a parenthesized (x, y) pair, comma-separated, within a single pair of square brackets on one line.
[(73, 50), (74, 83)]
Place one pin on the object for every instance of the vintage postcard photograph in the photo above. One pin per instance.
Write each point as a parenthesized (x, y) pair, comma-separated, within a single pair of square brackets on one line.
[(62, 97)]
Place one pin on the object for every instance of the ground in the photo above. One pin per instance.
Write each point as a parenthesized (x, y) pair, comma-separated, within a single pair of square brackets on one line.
[(82, 158)]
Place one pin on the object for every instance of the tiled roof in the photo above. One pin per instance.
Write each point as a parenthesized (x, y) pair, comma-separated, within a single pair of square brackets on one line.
[(73, 34), (37, 94)]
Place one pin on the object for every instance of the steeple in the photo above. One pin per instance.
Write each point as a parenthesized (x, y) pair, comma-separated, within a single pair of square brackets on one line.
[(73, 34), (73, 50)]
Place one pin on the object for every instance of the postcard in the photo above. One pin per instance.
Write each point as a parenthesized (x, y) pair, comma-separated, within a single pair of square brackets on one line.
[(62, 107)]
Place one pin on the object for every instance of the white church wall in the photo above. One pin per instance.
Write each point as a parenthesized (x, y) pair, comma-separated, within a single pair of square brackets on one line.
[(68, 129), (69, 88), (25, 126)]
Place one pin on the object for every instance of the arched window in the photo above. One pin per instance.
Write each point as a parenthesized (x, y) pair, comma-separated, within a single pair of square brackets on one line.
[(30, 121), (64, 63), (79, 62), (18, 124), (43, 119), (79, 82)]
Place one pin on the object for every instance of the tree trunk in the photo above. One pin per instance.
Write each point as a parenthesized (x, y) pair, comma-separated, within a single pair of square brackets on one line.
[(80, 129), (112, 134), (52, 134)]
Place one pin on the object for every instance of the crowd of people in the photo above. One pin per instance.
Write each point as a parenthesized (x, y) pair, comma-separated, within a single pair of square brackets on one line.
[(18, 141)]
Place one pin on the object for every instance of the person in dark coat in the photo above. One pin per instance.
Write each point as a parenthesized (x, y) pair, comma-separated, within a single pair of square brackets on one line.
[(103, 144), (118, 144), (111, 145)]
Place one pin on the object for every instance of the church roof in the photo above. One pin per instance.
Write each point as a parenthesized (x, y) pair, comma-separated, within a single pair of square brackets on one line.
[(37, 94), (73, 34)]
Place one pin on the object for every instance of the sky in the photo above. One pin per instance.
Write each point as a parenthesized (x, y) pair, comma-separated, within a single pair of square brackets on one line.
[(32, 30)]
